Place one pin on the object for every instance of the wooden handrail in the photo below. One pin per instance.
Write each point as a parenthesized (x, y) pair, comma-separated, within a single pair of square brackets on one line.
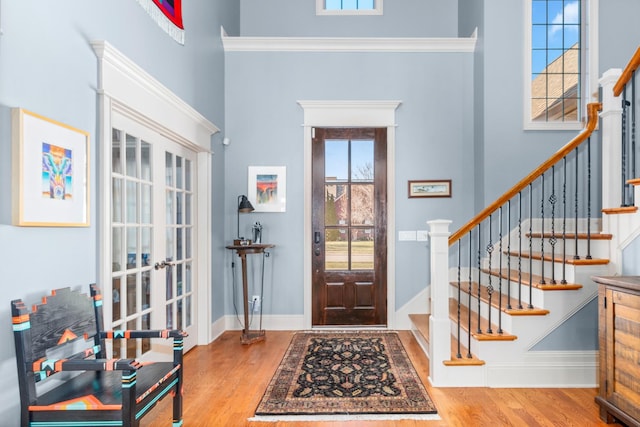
[(592, 122), (626, 75)]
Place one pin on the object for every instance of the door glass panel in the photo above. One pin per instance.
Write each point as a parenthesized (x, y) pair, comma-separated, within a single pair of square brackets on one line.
[(132, 247), (187, 242), (179, 279), (145, 208), (179, 243), (146, 325), (362, 248), (145, 161), (179, 314), (336, 204), (131, 158), (131, 344), (169, 316), (362, 204), (132, 201), (187, 320), (116, 206), (168, 169), (145, 236), (336, 249), (187, 209), (116, 147), (336, 160), (169, 207), (187, 174), (115, 296), (117, 260), (178, 172), (362, 160), (146, 290), (169, 283), (187, 277), (131, 294)]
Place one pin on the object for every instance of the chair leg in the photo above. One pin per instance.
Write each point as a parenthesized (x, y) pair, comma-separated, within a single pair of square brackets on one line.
[(177, 402)]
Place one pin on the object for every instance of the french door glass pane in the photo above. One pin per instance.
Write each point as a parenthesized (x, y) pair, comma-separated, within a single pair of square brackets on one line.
[(336, 249), (362, 248)]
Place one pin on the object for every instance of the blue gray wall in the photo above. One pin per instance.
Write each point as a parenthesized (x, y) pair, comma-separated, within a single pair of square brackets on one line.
[(47, 66)]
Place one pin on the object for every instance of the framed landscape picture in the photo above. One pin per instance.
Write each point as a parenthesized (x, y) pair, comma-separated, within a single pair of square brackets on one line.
[(430, 188)]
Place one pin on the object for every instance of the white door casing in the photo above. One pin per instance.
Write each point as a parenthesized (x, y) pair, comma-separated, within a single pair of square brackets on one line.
[(124, 88)]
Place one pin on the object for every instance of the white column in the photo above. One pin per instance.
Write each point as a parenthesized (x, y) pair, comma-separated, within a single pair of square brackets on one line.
[(611, 129), (439, 323)]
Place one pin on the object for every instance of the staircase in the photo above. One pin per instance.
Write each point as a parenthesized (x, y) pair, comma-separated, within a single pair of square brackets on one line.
[(502, 315)]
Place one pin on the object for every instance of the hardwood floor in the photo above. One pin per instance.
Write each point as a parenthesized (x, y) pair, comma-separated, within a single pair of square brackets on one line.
[(224, 382)]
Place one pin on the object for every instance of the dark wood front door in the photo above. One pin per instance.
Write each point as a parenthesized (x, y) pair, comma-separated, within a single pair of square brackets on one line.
[(349, 253)]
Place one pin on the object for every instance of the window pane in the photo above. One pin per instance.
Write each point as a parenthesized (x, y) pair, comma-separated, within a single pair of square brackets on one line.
[(336, 157), (362, 204), (336, 249), (362, 248), (362, 160), (336, 205), (539, 37)]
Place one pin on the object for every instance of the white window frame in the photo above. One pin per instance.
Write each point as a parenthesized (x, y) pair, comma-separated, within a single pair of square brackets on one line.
[(589, 71), (320, 10)]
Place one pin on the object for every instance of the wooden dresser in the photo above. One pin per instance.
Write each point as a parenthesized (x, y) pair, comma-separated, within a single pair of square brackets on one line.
[(619, 338)]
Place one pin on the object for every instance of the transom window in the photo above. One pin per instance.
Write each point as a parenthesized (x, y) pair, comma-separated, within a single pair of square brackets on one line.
[(349, 7), (555, 76)]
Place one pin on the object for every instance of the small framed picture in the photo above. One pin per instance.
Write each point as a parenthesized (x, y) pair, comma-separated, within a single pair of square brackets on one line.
[(268, 188), (430, 188), (50, 172)]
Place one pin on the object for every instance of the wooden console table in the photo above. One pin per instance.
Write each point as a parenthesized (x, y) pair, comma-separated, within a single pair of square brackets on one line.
[(248, 336), (618, 318)]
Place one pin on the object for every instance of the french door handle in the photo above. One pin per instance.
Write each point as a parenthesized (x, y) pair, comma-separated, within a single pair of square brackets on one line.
[(164, 263)]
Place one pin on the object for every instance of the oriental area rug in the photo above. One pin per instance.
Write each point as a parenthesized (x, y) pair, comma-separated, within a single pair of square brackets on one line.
[(345, 376)]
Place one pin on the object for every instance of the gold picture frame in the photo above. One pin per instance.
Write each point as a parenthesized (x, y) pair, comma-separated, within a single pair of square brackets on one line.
[(50, 175), (430, 188)]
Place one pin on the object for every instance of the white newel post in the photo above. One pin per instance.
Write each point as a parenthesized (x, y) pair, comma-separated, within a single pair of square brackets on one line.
[(611, 128), (439, 323)]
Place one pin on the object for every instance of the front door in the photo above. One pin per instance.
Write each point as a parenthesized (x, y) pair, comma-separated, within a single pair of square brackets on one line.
[(153, 235), (349, 253)]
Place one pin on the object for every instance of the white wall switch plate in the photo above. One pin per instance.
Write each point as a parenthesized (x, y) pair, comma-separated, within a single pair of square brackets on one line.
[(406, 235), (422, 235)]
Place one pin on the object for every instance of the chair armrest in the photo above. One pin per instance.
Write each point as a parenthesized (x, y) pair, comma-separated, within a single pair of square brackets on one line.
[(124, 334), (51, 366)]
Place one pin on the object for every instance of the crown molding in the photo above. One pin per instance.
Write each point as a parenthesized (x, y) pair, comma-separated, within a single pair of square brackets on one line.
[(348, 44)]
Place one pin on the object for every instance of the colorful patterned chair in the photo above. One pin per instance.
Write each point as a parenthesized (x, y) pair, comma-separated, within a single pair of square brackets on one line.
[(64, 377)]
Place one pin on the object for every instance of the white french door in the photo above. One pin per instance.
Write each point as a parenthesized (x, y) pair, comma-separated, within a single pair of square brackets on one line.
[(153, 232)]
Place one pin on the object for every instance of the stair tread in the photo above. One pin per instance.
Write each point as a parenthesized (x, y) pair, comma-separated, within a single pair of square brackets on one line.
[(464, 324), (484, 296), (558, 258), (620, 210), (464, 359), (572, 236), (535, 280), (421, 322)]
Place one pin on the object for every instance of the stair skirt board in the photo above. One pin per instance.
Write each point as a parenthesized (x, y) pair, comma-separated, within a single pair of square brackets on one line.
[(575, 369)]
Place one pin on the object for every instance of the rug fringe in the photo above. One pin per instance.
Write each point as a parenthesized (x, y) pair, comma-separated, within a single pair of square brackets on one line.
[(354, 417)]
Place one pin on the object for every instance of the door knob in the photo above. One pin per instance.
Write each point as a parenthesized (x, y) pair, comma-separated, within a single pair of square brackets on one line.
[(162, 264)]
